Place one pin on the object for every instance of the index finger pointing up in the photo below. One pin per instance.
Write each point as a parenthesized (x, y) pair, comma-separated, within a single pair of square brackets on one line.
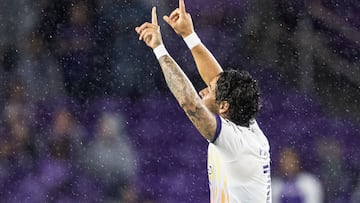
[(182, 6), (153, 16)]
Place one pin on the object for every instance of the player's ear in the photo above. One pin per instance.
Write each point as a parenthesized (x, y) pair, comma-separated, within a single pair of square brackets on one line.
[(224, 107)]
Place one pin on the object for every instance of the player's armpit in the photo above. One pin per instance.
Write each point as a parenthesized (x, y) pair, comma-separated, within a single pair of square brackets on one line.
[(201, 117)]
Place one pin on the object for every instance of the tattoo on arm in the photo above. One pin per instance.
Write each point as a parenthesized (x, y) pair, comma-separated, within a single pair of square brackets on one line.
[(187, 97), (198, 116)]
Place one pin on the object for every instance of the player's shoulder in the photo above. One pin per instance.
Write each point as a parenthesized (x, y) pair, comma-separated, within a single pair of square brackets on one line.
[(226, 121), (228, 125)]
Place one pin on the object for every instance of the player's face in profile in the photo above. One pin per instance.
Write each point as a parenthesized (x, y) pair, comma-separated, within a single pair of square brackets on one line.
[(208, 96)]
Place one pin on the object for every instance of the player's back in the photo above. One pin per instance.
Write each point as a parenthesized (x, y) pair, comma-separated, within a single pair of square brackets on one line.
[(239, 164)]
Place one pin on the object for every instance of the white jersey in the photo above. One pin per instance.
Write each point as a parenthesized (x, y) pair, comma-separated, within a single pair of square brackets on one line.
[(239, 164), (304, 187)]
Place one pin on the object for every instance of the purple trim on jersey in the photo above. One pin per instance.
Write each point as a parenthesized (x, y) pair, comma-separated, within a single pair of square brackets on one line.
[(218, 128)]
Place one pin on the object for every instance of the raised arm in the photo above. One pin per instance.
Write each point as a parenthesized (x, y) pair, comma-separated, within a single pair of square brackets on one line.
[(177, 81), (182, 24)]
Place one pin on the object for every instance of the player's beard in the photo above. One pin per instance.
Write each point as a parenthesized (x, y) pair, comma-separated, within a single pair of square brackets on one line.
[(212, 106)]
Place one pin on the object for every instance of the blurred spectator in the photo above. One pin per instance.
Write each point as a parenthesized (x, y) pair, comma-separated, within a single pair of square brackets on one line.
[(123, 70), (57, 177), (66, 134), (332, 170), (76, 48), (59, 172), (17, 19), (110, 158), (39, 70), (17, 149), (355, 197), (17, 117), (294, 185)]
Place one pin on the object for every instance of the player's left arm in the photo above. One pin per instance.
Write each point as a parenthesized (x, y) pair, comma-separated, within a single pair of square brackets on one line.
[(189, 100), (177, 81)]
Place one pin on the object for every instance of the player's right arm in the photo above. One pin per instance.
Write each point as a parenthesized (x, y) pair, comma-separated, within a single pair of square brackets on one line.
[(182, 24)]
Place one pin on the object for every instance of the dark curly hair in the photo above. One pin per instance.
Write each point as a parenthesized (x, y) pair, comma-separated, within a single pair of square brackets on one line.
[(241, 91)]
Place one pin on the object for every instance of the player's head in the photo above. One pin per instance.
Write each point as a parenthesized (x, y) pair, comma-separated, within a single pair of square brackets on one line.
[(289, 162), (233, 94)]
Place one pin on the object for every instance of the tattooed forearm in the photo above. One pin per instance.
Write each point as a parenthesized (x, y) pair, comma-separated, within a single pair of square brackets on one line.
[(176, 80), (187, 97)]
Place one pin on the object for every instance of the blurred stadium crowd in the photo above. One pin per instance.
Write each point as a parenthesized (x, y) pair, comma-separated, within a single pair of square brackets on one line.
[(87, 117)]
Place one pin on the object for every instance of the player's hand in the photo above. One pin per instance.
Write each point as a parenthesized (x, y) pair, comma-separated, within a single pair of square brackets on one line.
[(180, 20), (150, 32)]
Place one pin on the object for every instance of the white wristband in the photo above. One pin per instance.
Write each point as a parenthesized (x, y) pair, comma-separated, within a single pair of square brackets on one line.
[(192, 40), (160, 51)]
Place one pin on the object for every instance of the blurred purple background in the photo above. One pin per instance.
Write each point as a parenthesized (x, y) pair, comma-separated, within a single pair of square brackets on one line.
[(87, 116)]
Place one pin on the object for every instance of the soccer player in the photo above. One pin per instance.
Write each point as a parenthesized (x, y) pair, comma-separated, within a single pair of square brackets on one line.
[(238, 152)]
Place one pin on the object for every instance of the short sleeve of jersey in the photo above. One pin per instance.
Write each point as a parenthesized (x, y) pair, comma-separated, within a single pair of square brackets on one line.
[(228, 137)]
